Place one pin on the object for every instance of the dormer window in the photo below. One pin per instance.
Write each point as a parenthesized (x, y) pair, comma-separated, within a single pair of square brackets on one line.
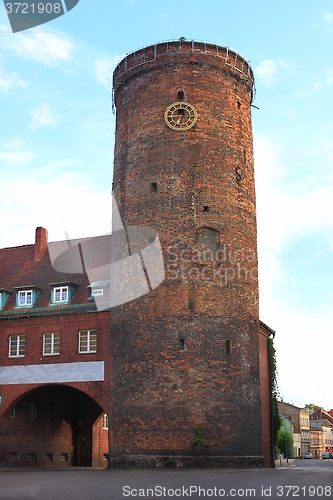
[(4, 294), (27, 296), (61, 293), (99, 289)]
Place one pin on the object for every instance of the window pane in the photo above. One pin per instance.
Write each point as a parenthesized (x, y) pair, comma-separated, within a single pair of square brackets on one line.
[(13, 346), (61, 294), (56, 343), (21, 349), (47, 343), (93, 341), (83, 341)]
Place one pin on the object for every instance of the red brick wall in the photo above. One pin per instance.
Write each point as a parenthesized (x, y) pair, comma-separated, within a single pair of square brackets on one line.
[(160, 389), (88, 400)]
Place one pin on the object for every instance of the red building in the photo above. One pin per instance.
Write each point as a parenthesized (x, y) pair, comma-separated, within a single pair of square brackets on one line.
[(184, 346), (54, 359)]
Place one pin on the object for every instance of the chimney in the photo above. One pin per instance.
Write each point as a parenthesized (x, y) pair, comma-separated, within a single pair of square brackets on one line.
[(40, 243)]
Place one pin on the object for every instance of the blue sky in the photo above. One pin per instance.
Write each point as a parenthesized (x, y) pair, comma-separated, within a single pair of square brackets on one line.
[(57, 137)]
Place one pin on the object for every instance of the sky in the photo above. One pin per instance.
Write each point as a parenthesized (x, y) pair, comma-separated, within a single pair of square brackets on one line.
[(57, 137)]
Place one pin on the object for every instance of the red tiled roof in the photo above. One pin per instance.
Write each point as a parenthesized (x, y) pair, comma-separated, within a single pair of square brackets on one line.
[(18, 268)]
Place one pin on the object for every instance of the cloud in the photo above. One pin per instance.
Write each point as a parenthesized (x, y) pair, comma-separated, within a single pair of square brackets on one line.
[(9, 80), (40, 46), (267, 70), (104, 69), (328, 17), (290, 208), (13, 156), (41, 117), (18, 158), (76, 207)]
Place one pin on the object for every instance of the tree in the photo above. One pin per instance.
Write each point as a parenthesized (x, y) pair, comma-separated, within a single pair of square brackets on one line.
[(311, 406), (198, 442), (277, 420), (284, 443)]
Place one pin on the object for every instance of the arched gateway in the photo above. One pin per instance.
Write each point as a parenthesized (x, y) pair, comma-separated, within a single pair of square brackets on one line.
[(54, 426)]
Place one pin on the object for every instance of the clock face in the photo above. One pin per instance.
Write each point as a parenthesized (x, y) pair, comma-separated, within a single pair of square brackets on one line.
[(180, 116)]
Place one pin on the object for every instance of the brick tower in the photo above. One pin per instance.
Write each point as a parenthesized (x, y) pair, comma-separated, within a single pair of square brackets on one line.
[(187, 353)]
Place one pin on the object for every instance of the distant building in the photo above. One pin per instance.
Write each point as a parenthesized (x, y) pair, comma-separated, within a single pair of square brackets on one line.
[(300, 419)]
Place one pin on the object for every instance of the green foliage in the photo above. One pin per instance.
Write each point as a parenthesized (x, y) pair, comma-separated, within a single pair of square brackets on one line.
[(277, 420), (198, 442), (311, 406), (284, 443)]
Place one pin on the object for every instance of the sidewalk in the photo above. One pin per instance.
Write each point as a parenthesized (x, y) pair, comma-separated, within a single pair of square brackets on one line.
[(284, 463)]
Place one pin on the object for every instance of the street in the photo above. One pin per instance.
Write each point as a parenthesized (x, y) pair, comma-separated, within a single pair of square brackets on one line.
[(298, 479)]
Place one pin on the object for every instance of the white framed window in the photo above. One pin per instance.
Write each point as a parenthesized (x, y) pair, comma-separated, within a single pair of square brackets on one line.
[(60, 294), (87, 341), (17, 346), (105, 425), (24, 298), (51, 344)]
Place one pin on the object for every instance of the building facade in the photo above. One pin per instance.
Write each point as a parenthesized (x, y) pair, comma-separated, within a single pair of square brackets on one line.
[(54, 362)]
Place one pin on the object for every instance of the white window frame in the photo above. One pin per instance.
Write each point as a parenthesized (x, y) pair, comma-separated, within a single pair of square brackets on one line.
[(53, 346), (20, 345), (63, 292), (25, 294), (105, 424), (88, 349)]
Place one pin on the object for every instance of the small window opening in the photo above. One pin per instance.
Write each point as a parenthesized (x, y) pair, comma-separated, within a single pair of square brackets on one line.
[(244, 154), (206, 208), (238, 105), (228, 346), (154, 186), (180, 95), (182, 344)]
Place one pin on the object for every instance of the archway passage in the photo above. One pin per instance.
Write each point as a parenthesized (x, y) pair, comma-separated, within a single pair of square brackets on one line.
[(54, 426)]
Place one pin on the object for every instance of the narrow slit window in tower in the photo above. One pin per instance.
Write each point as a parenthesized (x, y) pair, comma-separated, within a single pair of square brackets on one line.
[(228, 346), (154, 187), (206, 208), (180, 95)]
